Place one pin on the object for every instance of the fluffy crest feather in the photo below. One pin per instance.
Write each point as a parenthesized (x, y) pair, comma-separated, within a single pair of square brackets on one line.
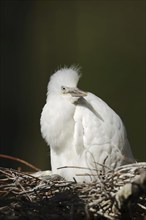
[(64, 77)]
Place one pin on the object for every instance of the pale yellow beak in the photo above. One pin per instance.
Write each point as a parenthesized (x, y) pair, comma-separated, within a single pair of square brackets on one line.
[(75, 92)]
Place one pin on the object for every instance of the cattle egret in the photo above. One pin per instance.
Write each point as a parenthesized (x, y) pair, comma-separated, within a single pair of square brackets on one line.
[(84, 134)]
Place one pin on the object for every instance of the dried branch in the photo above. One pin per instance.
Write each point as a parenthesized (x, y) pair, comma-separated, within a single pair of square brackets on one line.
[(20, 161)]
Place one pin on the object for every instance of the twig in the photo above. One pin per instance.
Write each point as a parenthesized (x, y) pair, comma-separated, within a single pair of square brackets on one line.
[(20, 161)]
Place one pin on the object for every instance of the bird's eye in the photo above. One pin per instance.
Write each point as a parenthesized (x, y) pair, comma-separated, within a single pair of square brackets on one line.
[(63, 88)]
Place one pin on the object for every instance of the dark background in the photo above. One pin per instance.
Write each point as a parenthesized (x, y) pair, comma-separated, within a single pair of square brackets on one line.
[(106, 38)]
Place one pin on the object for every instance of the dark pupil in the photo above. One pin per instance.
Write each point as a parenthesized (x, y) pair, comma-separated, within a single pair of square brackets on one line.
[(63, 88)]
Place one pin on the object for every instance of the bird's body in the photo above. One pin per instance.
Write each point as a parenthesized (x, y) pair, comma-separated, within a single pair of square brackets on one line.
[(81, 129)]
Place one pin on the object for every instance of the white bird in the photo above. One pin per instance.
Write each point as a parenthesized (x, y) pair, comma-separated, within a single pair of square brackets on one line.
[(84, 134)]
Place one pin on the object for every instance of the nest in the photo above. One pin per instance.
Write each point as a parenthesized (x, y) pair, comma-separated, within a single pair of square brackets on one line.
[(118, 194)]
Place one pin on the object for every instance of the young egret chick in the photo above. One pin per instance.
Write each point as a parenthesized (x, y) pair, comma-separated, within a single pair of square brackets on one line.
[(81, 130)]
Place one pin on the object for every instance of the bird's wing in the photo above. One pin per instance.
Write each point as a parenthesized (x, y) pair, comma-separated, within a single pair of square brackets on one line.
[(97, 126)]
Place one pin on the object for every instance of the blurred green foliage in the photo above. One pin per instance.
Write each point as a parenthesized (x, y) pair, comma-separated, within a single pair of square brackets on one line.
[(106, 38)]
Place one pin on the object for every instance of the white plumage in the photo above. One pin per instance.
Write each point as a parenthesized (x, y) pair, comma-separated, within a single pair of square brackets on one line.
[(81, 130)]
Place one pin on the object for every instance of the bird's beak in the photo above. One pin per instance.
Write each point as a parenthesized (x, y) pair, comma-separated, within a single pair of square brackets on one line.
[(75, 92)]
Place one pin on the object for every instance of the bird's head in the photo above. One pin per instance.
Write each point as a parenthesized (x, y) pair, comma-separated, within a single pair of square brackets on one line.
[(64, 83)]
